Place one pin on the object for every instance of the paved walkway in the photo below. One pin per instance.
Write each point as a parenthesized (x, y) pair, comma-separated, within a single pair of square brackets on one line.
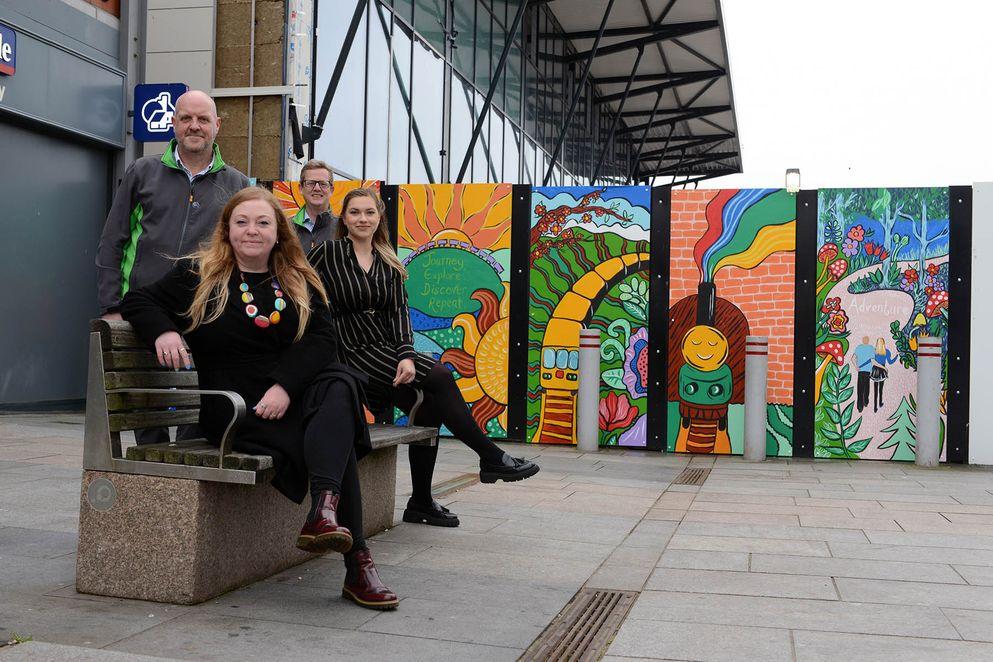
[(784, 560)]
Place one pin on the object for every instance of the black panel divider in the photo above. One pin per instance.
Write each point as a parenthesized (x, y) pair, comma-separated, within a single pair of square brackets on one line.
[(520, 291), (804, 318), (658, 324), (390, 193), (959, 322)]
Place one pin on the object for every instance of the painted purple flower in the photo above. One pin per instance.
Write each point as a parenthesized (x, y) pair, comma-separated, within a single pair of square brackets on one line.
[(636, 364), (850, 247), (637, 434)]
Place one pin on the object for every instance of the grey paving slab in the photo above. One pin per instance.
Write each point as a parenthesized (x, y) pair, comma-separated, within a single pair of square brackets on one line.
[(483, 624), (860, 568), (749, 545), (212, 637), (703, 560), (922, 497), (36, 576), (731, 497), (915, 593), (742, 583), (19, 541), (739, 517), (619, 577), (730, 508), (697, 641), (960, 541), (38, 650), (825, 646), (574, 529), (80, 621), (973, 625), (864, 523), (977, 575), (912, 553), (653, 534), (770, 531), (792, 613), (559, 572)]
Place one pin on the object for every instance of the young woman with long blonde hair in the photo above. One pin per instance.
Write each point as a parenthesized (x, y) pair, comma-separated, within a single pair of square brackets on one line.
[(255, 316), (365, 283)]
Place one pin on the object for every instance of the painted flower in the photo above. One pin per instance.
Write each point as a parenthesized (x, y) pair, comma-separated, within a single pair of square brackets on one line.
[(637, 434), (932, 281), (636, 364), (540, 210), (616, 412), (831, 304), (850, 248), (932, 269), (909, 279), (587, 218), (838, 322), (856, 233)]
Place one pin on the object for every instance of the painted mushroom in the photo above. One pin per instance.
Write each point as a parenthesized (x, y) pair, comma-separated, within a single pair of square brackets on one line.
[(919, 322), (834, 272), (831, 350), (827, 253), (935, 303)]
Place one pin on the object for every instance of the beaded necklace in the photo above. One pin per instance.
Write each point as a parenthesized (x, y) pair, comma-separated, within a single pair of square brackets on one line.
[(262, 321)]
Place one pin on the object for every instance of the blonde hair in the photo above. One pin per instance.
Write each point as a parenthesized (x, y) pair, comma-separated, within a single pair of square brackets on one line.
[(880, 346), (316, 164), (215, 264), (381, 239)]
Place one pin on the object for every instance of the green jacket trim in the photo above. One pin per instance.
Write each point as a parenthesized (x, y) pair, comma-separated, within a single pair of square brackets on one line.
[(131, 249), (301, 216), (169, 158)]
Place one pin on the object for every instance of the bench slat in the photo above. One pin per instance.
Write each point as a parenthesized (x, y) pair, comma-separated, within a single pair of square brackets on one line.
[(247, 462), (122, 402), (176, 454), (116, 335), (383, 436), (152, 419), (165, 379), (130, 359)]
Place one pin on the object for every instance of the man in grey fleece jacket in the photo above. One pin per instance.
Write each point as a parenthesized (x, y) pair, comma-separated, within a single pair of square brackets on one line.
[(165, 205)]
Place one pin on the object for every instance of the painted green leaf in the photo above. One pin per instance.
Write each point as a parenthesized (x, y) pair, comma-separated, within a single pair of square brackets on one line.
[(834, 416), (853, 429), (834, 450), (831, 435), (635, 309), (846, 394), (860, 445), (846, 416), (613, 378)]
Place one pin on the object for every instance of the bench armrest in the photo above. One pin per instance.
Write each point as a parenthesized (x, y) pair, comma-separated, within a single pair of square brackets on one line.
[(418, 401), (238, 402)]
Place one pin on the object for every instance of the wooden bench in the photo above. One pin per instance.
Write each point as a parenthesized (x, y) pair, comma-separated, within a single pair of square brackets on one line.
[(185, 521)]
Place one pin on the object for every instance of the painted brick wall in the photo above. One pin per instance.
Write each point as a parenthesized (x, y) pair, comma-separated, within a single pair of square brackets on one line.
[(764, 294)]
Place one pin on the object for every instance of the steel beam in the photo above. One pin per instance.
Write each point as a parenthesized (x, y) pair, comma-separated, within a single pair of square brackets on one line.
[(689, 114), (617, 116), (591, 54), (678, 80), (493, 88), (651, 78), (650, 33), (644, 137), (723, 155), (317, 126)]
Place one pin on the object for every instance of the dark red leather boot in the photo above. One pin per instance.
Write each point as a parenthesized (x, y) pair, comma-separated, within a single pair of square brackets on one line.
[(321, 532), (363, 585)]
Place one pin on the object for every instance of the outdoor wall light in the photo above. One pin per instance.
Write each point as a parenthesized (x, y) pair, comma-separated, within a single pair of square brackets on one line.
[(793, 180)]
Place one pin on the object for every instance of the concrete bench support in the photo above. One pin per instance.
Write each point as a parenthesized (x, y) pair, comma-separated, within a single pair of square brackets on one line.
[(186, 541)]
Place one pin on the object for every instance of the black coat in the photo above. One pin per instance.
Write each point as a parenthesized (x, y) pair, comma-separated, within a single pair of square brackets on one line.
[(233, 354)]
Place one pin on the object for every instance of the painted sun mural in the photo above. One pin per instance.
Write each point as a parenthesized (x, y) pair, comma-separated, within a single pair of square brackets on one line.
[(454, 240), (291, 198)]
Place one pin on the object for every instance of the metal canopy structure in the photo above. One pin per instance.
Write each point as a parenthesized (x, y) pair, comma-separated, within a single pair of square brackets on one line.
[(661, 67)]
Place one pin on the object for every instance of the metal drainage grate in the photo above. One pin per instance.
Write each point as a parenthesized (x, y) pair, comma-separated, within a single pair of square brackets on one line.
[(692, 477), (451, 485), (584, 628)]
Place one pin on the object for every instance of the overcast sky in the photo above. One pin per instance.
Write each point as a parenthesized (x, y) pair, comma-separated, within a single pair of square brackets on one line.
[(862, 93)]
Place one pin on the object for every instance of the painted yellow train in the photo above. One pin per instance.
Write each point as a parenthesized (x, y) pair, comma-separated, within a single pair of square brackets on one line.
[(559, 369)]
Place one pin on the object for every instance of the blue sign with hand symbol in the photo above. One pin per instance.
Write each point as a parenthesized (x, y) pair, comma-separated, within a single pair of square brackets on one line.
[(154, 106)]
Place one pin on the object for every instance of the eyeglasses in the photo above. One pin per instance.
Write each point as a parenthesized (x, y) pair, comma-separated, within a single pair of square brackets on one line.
[(311, 184)]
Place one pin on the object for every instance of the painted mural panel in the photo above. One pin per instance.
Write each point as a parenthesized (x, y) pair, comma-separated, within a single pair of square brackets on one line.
[(732, 271), (589, 268), (291, 197), (454, 240), (882, 282)]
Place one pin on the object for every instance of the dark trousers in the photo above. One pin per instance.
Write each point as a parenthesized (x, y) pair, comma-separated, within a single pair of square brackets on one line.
[(862, 396), (877, 394), (147, 436)]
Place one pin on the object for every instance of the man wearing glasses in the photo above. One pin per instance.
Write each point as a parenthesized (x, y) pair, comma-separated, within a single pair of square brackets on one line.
[(315, 223)]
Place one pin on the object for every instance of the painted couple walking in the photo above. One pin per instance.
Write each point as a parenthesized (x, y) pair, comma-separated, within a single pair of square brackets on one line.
[(871, 363)]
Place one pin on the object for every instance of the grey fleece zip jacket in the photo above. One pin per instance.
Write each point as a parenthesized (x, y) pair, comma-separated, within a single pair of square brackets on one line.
[(158, 214)]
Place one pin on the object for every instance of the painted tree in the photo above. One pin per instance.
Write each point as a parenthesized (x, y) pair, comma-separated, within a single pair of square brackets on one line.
[(836, 212), (903, 431), (550, 231), (887, 211), (929, 203)]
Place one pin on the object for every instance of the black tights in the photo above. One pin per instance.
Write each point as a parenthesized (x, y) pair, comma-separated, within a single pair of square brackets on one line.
[(443, 405), (329, 451)]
